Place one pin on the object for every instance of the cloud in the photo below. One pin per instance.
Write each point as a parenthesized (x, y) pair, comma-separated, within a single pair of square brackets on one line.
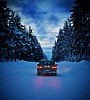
[(44, 5), (45, 17), (46, 28)]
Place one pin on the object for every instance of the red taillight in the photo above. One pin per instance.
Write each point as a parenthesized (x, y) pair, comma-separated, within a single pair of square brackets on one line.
[(54, 67), (40, 67)]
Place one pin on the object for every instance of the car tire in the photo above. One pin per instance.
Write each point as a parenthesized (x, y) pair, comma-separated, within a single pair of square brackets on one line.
[(38, 73), (55, 74)]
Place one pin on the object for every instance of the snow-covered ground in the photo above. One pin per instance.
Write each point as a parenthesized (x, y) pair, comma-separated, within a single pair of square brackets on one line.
[(19, 81)]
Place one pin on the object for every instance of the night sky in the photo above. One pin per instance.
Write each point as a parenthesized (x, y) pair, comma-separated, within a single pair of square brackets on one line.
[(45, 17)]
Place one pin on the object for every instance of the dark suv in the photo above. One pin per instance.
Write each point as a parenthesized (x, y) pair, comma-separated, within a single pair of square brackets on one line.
[(47, 67)]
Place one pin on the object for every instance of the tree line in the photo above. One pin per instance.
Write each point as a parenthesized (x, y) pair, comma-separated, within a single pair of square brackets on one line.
[(15, 41), (73, 41)]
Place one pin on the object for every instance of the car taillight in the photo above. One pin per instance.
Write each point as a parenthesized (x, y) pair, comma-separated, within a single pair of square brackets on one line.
[(40, 67), (54, 67)]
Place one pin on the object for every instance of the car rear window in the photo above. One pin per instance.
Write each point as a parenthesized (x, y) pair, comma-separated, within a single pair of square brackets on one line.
[(47, 63)]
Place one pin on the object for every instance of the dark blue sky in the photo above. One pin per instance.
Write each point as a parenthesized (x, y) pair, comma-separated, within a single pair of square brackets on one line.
[(46, 17)]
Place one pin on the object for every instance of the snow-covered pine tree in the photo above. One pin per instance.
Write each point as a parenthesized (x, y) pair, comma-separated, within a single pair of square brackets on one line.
[(57, 54), (11, 24), (4, 31), (14, 32), (63, 47), (66, 40), (76, 35), (15, 41), (36, 53), (81, 22)]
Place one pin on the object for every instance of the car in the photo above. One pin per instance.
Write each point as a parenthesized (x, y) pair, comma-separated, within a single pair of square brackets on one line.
[(47, 67)]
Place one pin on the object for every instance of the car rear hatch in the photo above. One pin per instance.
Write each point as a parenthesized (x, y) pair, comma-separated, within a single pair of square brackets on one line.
[(47, 68)]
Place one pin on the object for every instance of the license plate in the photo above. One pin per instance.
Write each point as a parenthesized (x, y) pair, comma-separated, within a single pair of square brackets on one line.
[(46, 70)]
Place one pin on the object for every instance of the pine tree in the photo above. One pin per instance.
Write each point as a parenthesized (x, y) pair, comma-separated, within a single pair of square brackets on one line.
[(76, 35), (63, 47), (80, 18), (15, 41), (57, 54), (4, 31)]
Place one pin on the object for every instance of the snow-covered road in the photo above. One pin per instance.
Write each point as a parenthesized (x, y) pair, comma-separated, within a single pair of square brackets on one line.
[(19, 81)]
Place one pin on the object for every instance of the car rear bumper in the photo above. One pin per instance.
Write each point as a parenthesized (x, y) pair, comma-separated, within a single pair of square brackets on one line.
[(47, 72)]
